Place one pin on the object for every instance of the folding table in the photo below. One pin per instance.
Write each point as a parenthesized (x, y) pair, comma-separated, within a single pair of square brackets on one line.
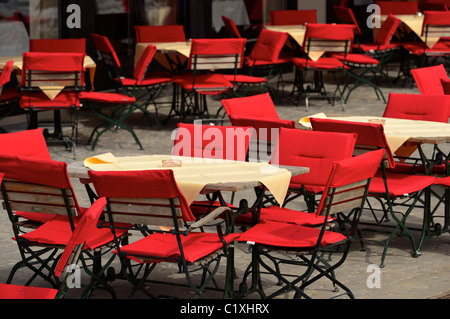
[(202, 175)]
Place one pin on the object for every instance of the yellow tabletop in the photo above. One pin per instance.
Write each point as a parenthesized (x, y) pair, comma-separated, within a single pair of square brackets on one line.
[(196, 173), (399, 131)]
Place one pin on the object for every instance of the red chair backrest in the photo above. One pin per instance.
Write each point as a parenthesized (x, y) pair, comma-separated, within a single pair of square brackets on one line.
[(436, 24), (329, 37), (144, 61), (216, 142), (346, 15), (58, 45), (370, 135), (145, 184), (418, 107), (313, 149), (58, 66), (268, 46), (398, 7), (428, 79), (292, 17), (86, 225), (231, 27), (209, 54), (5, 75), (104, 46), (30, 143), (387, 30), (161, 33)]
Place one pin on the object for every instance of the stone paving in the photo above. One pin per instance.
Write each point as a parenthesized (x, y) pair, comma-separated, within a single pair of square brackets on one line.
[(403, 277)]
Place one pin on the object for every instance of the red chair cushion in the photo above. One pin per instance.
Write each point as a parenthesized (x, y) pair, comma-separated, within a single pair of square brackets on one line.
[(288, 235), (33, 140), (195, 246), (355, 58), (103, 97), (286, 215), (400, 184), (322, 63), (203, 81), (58, 232), (40, 101), (268, 46), (154, 79), (26, 292), (242, 78)]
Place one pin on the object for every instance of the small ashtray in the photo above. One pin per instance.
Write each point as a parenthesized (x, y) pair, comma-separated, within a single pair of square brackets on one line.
[(377, 121), (171, 163)]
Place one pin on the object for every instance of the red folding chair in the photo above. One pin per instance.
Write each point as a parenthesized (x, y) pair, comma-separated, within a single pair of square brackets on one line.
[(422, 107), (275, 244), (29, 143), (153, 198), (292, 17), (389, 188), (259, 112), (208, 58), (9, 96), (397, 7), (53, 81), (43, 187), (329, 39), (428, 79), (69, 257)]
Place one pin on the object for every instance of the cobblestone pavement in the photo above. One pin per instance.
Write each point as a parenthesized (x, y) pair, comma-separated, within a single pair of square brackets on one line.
[(403, 277)]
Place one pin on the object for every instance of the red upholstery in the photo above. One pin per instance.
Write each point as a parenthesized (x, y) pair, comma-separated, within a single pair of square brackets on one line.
[(26, 292), (195, 246), (103, 44), (140, 184), (30, 143), (231, 27), (204, 82), (400, 184), (58, 45), (292, 17), (257, 111), (106, 97), (5, 75), (323, 63), (398, 7), (316, 150), (428, 79), (163, 33), (423, 107), (267, 47), (140, 78), (346, 15), (286, 215), (356, 59), (446, 86), (383, 39), (206, 141)]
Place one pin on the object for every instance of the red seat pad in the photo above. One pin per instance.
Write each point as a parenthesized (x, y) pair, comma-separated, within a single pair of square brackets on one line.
[(26, 292), (444, 181), (322, 63), (100, 97), (400, 184), (242, 78), (418, 168), (281, 60), (286, 215), (40, 100), (205, 81), (57, 232), (147, 81), (373, 47), (419, 48), (195, 246), (356, 58), (288, 235)]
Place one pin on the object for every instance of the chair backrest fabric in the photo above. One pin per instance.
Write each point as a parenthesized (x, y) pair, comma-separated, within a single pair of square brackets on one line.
[(5, 75), (161, 33), (369, 135), (43, 180), (85, 226), (386, 32), (292, 17), (49, 69), (58, 45), (348, 182), (231, 27), (329, 37), (428, 79), (346, 15), (29, 143), (398, 7), (423, 107), (105, 48), (436, 24), (207, 54), (268, 46), (212, 141), (147, 188), (144, 61), (313, 149)]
